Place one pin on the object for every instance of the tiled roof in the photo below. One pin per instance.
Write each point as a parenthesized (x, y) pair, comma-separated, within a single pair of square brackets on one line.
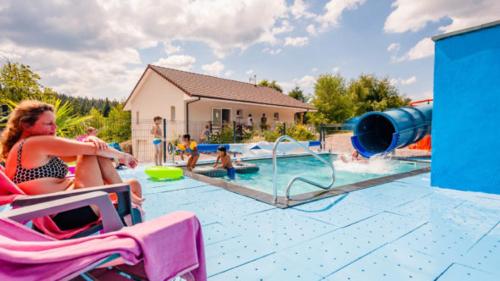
[(199, 85)]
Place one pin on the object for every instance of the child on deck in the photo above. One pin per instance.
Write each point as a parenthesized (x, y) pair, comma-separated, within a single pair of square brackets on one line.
[(191, 147), (225, 160), (157, 136)]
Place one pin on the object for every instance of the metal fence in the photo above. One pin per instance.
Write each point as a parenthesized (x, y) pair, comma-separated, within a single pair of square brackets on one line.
[(201, 132)]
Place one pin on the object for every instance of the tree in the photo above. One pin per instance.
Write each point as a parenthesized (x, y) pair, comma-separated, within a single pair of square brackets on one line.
[(331, 99), (372, 94), (106, 108), (118, 127), (297, 94), (18, 82), (273, 84)]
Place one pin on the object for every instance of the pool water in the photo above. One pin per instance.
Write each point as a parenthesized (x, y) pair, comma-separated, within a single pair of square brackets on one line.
[(311, 168)]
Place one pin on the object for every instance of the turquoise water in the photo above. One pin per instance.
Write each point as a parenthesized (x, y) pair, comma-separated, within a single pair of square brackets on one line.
[(311, 168)]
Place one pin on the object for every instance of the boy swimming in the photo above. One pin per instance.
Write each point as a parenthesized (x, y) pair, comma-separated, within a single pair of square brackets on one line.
[(191, 147), (225, 161)]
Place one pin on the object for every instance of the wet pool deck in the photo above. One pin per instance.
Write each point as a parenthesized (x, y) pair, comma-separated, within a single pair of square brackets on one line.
[(403, 230)]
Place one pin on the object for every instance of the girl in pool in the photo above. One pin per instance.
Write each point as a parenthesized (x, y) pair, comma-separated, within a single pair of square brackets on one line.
[(157, 135), (35, 160), (225, 160), (191, 147)]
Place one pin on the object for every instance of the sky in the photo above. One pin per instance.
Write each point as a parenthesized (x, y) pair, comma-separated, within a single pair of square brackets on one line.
[(98, 48)]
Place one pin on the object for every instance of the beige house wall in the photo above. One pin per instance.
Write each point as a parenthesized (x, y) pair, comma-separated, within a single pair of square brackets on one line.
[(200, 113), (155, 96)]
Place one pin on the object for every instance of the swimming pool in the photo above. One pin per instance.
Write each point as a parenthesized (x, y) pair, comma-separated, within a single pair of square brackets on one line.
[(311, 168)]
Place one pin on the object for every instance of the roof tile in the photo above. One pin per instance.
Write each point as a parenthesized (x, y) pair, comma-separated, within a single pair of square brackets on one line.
[(200, 85)]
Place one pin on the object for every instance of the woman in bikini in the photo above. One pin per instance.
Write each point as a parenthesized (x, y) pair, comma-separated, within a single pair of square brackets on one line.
[(35, 160)]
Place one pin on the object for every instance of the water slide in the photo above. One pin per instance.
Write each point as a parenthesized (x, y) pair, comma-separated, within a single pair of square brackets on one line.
[(382, 132)]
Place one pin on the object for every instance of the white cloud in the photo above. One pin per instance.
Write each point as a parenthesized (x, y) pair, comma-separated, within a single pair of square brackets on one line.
[(411, 15), (404, 82), (335, 69), (311, 29), (409, 81), (334, 10), (272, 51), (423, 49), (249, 72), (299, 10), (393, 47), (228, 73), (314, 69), (93, 45), (171, 49), (182, 62), (306, 83), (111, 73), (214, 68), (296, 41), (285, 27)]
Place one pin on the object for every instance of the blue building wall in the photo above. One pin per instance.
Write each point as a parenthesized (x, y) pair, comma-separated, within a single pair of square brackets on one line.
[(466, 114)]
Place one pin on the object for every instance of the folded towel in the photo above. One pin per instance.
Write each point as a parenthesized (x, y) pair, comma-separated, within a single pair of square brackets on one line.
[(168, 246)]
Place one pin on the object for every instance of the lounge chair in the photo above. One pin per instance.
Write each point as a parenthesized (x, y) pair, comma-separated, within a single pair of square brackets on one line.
[(13, 195), (160, 249)]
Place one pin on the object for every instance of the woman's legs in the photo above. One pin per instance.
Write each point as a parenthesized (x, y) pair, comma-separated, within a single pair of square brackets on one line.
[(110, 176), (88, 172)]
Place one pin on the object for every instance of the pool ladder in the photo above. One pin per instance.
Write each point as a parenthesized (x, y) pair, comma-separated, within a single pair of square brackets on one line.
[(297, 178)]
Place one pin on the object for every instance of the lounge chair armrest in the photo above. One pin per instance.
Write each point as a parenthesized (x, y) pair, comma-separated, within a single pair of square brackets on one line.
[(110, 219), (35, 199)]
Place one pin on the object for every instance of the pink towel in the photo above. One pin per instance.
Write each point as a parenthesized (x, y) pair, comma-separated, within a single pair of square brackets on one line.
[(169, 246), (10, 191)]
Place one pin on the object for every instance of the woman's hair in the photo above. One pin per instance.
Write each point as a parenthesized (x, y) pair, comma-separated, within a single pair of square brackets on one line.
[(25, 113)]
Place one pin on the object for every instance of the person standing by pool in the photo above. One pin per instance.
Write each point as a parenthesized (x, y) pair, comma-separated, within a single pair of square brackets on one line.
[(250, 122), (35, 160), (191, 147), (263, 122), (157, 135), (225, 160), (205, 135)]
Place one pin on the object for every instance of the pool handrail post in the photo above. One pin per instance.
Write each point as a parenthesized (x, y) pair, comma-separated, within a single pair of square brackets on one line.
[(297, 178)]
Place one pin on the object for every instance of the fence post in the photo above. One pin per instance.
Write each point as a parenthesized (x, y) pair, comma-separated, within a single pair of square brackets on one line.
[(164, 140), (234, 131), (321, 132)]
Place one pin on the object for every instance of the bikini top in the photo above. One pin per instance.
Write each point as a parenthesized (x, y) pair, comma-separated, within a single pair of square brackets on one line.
[(55, 168)]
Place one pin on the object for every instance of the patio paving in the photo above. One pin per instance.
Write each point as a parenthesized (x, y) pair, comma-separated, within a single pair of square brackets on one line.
[(403, 230)]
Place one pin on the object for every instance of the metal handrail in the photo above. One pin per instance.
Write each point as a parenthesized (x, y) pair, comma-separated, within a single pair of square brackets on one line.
[(297, 178)]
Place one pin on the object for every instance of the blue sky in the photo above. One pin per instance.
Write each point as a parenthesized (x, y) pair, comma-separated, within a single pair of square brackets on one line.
[(99, 48)]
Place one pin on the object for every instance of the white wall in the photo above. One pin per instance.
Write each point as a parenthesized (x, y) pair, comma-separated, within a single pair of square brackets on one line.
[(200, 113), (154, 98)]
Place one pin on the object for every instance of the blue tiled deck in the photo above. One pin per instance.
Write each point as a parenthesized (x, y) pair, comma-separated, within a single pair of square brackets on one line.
[(404, 230)]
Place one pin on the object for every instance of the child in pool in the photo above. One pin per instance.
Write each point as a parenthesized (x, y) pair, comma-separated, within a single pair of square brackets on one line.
[(191, 147), (225, 160), (157, 135)]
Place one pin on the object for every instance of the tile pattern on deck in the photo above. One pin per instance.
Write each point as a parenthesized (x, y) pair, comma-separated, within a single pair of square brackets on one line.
[(403, 230)]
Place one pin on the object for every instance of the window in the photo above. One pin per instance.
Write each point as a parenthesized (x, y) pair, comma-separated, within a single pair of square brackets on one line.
[(221, 116), (276, 116), (137, 117), (172, 113)]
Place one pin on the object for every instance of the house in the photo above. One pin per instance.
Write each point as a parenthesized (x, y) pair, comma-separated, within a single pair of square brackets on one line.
[(465, 134), (190, 101)]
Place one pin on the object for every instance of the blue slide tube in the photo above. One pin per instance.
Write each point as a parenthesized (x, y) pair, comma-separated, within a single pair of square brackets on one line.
[(382, 132)]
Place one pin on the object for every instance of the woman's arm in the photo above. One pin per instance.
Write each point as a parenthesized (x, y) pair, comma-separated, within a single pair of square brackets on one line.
[(61, 147), (216, 161)]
